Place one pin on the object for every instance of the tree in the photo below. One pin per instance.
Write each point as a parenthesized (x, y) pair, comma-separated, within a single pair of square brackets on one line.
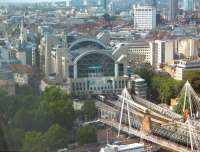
[(24, 90), (87, 134), (15, 137), (25, 98), (167, 92), (33, 142), (166, 87), (179, 107), (57, 105), (4, 102), (55, 138), (145, 72), (3, 141), (194, 78), (89, 110), (24, 119)]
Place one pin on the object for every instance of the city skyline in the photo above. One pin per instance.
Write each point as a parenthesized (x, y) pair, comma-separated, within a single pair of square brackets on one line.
[(77, 74)]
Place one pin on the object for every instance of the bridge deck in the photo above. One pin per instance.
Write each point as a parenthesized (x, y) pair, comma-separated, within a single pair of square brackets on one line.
[(154, 139), (170, 134)]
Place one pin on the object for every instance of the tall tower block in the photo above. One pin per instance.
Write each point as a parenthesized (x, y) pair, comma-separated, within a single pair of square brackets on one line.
[(47, 58)]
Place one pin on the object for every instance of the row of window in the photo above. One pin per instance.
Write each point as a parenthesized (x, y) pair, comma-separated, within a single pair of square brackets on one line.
[(118, 91), (83, 86), (144, 10)]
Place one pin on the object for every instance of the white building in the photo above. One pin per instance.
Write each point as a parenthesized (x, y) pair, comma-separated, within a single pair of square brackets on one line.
[(155, 52), (184, 66), (163, 51), (21, 78), (136, 51), (22, 74), (68, 3), (188, 47), (144, 17)]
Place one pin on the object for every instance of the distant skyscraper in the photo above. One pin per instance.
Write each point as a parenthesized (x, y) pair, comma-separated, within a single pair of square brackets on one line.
[(85, 2), (68, 3), (154, 3), (151, 2), (99, 2), (144, 17), (173, 9), (105, 4), (188, 5)]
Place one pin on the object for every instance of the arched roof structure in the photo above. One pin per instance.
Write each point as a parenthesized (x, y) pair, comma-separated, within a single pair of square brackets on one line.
[(98, 63), (92, 52), (86, 42)]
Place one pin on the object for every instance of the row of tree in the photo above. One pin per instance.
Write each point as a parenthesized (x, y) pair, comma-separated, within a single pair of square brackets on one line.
[(194, 78), (165, 88), (162, 87), (45, 122)]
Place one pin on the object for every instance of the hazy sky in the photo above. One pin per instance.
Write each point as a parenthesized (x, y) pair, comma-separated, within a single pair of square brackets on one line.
[(14, 1)]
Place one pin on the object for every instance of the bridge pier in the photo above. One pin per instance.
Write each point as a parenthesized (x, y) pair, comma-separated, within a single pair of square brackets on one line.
[(146, 124)]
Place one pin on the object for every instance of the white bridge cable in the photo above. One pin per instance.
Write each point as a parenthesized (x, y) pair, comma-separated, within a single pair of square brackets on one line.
[(191, 99), (169, 134), (176, 131)]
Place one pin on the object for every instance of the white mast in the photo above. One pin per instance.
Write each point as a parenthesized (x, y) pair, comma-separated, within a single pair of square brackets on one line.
[(190, 132), (125, 95)]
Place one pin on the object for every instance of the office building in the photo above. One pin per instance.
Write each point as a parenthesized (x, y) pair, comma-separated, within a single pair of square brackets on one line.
[(162, 51), (138, 86), (186, 65), (173, 9), (151, 2), (188, 47), (7, 56), (85, 2), (188, 5), (105, 4), (45, 47), (119, 6), (154, 3), (68, 3), (137, 51), (144, 17)]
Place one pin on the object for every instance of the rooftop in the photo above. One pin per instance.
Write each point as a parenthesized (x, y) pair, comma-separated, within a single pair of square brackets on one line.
[(120, 148), (22, 69)]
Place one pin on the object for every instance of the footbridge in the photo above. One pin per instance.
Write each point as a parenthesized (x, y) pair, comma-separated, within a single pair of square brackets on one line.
[(150, 122)]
